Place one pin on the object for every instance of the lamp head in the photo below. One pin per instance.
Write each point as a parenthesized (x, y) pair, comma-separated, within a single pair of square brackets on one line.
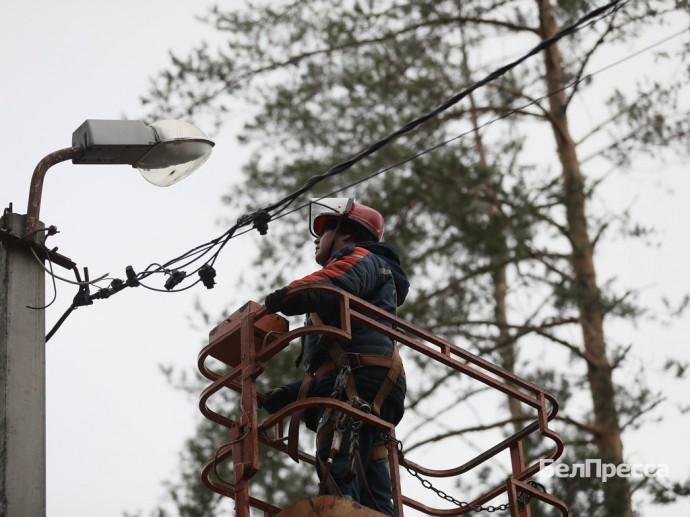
[(164, 152)]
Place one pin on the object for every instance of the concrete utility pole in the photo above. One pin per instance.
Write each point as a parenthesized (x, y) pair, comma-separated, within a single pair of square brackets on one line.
[(22, 375), (164, 152)]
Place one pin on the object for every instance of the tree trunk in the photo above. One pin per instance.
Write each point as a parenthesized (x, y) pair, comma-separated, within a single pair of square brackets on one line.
[(504, 345), (617, 498)]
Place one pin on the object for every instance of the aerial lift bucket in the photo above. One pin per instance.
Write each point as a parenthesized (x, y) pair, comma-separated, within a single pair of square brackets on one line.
[(327, 506), (241, 345)]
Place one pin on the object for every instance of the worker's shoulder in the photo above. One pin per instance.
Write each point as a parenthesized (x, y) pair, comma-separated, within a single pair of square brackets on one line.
[(358, 256)]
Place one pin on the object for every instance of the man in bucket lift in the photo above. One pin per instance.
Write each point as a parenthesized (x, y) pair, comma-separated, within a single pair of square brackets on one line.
[(366, 371)]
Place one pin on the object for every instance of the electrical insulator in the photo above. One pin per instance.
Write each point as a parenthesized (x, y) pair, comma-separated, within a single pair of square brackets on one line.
[(207, 275)]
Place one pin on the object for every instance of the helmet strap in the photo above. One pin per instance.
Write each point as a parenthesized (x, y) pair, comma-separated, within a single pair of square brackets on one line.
[(343, 217), (344, 214)]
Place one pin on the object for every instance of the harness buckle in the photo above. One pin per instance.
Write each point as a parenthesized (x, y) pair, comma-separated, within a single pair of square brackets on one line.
[(341, 379), (350, 473), (361, 404)]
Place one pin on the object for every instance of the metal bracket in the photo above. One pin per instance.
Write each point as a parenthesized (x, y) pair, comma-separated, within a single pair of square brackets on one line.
[(12, 234)]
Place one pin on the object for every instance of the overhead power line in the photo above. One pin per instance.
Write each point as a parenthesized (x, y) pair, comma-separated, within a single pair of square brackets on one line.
[(341, 167), (260, 219)]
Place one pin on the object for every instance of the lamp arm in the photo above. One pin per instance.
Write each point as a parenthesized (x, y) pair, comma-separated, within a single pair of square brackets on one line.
[(36, 189)]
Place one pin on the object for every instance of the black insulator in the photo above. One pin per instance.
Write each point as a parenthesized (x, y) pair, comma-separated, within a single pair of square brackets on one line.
[(261, 219), (175, 278), (117, 285), (207, 275), (102, 294), (132, 279)]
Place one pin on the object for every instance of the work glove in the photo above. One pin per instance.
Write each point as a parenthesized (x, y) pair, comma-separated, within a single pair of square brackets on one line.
[(278, 398), (274, 301)]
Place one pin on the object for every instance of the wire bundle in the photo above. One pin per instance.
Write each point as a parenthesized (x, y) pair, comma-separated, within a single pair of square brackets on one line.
[(204, 256)]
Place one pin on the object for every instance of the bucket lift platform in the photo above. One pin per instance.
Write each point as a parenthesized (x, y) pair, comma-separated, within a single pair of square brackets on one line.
[(241, 345)]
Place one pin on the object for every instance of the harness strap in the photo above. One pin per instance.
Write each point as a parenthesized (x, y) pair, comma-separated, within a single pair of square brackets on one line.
[(293, 429), (326, 430), (340, 359), (378, 452), (395, 371), (365, 484), (356, 360)]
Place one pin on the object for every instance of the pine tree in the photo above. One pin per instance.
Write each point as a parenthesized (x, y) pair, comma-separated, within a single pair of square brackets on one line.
[(477, 218)]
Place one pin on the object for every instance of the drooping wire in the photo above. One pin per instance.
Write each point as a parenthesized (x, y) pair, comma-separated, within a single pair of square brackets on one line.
[(82, 298), (280, 206), (342, 166), (508, 113), (279, 209), (52, 277), (66, 280)]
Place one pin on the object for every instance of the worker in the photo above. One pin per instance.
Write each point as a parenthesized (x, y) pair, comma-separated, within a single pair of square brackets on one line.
[(348, 247)]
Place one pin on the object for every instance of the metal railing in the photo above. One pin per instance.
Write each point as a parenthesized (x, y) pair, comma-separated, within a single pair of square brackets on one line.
[(250, 337)]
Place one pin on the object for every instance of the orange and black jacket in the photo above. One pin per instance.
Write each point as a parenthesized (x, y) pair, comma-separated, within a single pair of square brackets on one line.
[(370, 271)]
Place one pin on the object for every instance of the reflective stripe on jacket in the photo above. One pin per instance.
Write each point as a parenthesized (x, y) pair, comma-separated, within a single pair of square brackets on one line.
[(370, 271)]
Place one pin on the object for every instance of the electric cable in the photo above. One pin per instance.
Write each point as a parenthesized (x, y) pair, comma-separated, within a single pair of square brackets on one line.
[(66, 280), (639, 52), (158, 290), (52, 277), (282, 205), (260, 218), (342, 166), (587, 19), (59, 322), (583, 22), (81, 298), (489, 122), (50, 230), (288, 200)]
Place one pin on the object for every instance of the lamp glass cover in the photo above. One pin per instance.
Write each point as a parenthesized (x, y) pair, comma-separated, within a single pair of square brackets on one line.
[(181, 149)]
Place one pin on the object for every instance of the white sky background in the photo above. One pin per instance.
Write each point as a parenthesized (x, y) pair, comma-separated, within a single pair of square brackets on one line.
[(115, 426)]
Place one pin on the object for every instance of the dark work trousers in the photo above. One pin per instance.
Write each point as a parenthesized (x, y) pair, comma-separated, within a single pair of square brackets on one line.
[(376, 472)]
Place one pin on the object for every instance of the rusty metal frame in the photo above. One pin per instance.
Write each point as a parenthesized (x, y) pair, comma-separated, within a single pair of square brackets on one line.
[(247, 432)]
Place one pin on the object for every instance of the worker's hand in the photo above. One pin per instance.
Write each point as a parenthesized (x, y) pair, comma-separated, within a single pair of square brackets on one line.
[(274, 301), (278, 398)]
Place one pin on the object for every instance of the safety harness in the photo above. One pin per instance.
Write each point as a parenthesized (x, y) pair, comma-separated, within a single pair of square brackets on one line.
[(346, 363), (334, 423)]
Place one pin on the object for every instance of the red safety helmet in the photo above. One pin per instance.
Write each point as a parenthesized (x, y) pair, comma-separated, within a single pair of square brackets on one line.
[(325, 210)]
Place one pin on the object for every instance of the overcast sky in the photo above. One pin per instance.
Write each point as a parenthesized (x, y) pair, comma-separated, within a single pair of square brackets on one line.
[(114, 424)]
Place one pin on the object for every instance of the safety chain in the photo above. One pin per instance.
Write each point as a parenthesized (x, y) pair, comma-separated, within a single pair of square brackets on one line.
[(524, 498), (427, 484)]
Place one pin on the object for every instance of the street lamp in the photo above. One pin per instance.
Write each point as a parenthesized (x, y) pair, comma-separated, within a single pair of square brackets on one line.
[(164, 152)]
